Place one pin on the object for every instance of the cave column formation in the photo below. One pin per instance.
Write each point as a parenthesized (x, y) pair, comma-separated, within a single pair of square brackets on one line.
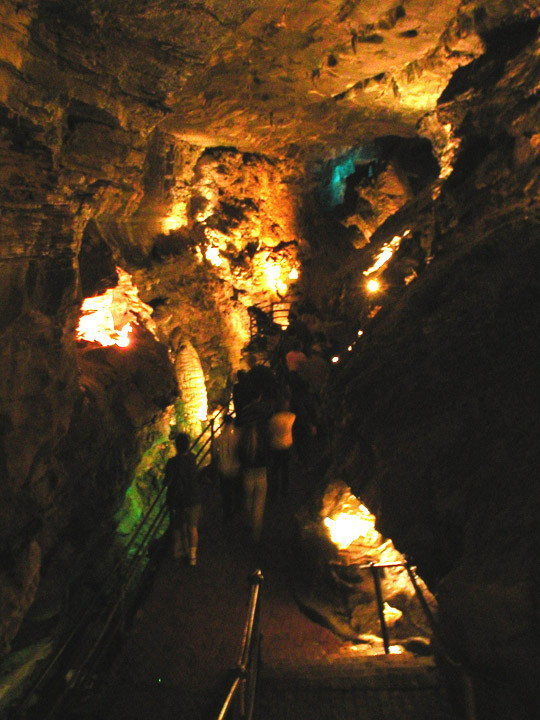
[(166, 165)]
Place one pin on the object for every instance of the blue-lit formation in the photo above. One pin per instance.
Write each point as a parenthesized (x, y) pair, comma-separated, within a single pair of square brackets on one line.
[(336, 171)]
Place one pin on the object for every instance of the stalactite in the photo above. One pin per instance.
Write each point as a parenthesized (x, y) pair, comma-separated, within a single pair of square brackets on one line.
[(191, 381)]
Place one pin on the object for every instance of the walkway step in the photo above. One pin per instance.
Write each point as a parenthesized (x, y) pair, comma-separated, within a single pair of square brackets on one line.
[(375, 688)]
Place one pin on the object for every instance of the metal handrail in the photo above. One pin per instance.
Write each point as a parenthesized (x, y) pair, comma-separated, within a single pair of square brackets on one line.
[(470, 710), (125, 568), (277, 313), (243, 687)]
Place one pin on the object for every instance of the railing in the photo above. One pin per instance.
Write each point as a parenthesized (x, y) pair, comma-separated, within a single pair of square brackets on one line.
[(269, 318), (465, 677), (108, 612), (240, 699)]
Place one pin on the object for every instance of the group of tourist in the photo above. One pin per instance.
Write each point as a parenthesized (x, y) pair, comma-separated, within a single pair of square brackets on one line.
[(276, 410)]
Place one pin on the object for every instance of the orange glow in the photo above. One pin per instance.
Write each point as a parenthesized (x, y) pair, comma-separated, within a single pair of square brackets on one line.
[(176, 219), (212, 254), (293, 275), (384, 256), (373, 286), (347, 527), (410, 277), (202, 412), (108, 319), (391, 614), (273, 279), (96, 323)]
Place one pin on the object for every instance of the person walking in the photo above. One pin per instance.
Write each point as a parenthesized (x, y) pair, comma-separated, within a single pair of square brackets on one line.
[(227, 461), (183, 500), (254, 456), (280, 427)]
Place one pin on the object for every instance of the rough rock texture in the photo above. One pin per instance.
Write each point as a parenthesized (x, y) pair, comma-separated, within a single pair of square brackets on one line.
[(334, 584), (144, 133), (240, 205), (441, 389)]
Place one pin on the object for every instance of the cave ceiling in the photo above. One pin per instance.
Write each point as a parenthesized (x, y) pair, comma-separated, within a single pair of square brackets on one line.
[(281, 76), (269, 76), (273, 76)]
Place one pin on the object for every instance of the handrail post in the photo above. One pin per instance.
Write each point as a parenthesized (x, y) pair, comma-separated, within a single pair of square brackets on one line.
[(251, 631), (380, 606), (466, 680), (420, 596), (212, 443)]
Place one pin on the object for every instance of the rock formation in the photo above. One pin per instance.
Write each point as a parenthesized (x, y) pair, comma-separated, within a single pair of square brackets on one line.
[(193, 145)]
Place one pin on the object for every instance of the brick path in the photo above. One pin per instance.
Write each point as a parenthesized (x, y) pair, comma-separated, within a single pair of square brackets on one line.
[(186, 639)]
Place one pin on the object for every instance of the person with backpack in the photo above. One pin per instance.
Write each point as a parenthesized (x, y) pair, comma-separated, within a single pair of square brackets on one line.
[(183, 500)]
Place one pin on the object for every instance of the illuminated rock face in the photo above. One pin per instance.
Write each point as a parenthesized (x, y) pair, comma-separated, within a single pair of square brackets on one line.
[(338, 541), (111, 115)]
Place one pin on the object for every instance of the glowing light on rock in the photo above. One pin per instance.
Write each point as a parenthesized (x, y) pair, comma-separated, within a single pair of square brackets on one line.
[(449, 153), (212, 254), (293, 275), (96, 323), (216, 238), (410, 277), (202, 413), (176, 219), (272, 274), (373, 286), (391, 614), (123, 335), (108, 319), (345, 528), (387, 250), (273, 279), (335, 359), (360, 333)]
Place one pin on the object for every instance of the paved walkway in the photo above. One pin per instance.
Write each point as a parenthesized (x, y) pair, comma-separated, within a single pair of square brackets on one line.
[(177, 661)]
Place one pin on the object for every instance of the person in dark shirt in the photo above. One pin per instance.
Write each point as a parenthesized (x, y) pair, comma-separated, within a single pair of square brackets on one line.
[(241, 393), (253, 452), (261, 380), (183, 500)]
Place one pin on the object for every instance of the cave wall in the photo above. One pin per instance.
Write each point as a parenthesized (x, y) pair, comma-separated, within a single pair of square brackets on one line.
[(440, 398), (71, 150), (84, 167)]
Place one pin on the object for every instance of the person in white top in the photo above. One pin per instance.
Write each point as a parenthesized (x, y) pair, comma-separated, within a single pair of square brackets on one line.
[(280, 428)]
